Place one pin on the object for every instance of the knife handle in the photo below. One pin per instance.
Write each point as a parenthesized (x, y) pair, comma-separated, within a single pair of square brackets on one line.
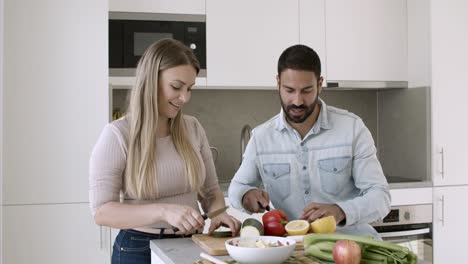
[(267, 208), (175, 229)]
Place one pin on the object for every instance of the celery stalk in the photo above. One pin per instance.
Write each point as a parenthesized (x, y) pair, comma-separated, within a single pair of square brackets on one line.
[(373, 251)]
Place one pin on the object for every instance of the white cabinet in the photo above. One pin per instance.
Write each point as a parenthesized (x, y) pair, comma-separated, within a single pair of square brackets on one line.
[(312, 29), (55, 103), (449, 39), (196, 7), (57, 233), (366, 40), (55, 97), (245, 39), (450, 228)]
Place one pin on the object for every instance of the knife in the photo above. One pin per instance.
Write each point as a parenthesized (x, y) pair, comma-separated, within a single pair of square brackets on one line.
[(208, 215), (263, 208), (215, 213)]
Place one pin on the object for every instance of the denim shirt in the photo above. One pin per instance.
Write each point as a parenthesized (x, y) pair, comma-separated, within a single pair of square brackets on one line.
[(335, 163)]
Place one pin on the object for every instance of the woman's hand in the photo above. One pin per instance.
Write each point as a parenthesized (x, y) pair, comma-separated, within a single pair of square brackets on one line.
[(187, 219), (227, 221)]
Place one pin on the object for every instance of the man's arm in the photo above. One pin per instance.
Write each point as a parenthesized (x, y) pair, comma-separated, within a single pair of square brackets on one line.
[(373, 203), (247, 176)]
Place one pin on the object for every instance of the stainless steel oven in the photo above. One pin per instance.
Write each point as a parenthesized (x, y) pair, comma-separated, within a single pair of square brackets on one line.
[(409, 226)]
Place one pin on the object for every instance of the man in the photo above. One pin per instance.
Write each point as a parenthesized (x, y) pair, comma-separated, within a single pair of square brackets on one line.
[(314, 160)]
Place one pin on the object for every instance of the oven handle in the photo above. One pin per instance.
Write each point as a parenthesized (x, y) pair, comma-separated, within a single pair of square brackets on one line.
[(421, 231)]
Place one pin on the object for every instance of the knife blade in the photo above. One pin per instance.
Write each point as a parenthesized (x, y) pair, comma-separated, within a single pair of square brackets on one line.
[(215, 213), (208, 215)]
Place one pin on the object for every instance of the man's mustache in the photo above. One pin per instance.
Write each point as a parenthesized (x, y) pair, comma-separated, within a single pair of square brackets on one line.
[(290, 107)]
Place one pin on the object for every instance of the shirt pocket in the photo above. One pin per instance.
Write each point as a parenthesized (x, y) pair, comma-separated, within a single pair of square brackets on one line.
[(277, 180), (335, 174)]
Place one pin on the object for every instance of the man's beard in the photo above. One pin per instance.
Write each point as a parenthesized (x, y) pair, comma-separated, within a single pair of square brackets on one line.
[(309, 109)]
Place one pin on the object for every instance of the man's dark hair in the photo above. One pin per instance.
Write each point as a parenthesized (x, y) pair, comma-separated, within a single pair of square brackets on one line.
[(299, 57)]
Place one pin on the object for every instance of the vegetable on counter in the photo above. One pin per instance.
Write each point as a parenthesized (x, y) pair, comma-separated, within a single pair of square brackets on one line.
[(372, 251), (297, 227), (251, 227), (346, 252), (274, 222), (222, 233), (324, 225)]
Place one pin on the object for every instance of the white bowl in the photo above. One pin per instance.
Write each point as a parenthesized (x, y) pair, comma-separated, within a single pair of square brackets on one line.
[(255, 255)]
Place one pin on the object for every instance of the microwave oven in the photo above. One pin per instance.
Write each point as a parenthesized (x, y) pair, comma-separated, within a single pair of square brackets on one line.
[(131, 33)]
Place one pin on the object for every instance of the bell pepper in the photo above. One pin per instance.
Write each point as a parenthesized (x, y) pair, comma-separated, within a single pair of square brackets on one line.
[(274, 222)]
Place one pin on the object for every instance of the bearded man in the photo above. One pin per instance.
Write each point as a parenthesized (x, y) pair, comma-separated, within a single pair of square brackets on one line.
[(312, 159)]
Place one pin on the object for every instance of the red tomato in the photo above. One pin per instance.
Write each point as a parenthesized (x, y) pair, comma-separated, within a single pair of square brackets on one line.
[(274, 222)]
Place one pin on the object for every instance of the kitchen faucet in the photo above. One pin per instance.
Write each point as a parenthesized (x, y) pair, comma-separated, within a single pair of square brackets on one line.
[(245, 137)]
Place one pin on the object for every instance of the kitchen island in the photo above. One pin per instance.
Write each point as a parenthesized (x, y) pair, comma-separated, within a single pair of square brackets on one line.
[(181, 251)]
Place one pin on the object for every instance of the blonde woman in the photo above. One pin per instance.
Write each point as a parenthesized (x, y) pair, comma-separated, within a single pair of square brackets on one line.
[(158, 158)]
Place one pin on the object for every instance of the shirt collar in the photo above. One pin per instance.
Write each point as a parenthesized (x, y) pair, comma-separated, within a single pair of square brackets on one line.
[(322, 120)]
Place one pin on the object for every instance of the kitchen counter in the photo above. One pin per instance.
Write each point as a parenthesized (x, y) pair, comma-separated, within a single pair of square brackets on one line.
[(181, 251), (175, 251)]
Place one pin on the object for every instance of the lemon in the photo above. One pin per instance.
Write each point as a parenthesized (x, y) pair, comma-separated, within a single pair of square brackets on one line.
[(297, 227), (324, 225)]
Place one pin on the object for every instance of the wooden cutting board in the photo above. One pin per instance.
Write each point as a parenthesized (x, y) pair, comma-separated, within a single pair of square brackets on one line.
[(215, 245), (211, 245)]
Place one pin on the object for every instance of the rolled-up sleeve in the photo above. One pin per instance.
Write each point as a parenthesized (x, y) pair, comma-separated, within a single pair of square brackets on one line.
[(247, 176), (106, 168), (374, 199)]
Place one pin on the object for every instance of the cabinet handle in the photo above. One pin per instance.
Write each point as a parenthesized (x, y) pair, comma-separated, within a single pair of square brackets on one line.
[(442, 162), (442, 204), (100, 237)]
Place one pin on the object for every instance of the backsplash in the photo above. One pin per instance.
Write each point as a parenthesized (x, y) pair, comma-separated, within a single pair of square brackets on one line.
[(404, 134), (398, 120)]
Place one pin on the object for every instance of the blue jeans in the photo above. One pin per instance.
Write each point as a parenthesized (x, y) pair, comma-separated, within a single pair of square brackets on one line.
[(133, 247)]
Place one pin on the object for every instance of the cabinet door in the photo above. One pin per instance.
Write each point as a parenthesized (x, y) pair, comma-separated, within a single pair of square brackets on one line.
[(55, 97), (450, 228), (53, 234), (196, 7), (366, 40), (312, 29), (245, 39), (449, 39)]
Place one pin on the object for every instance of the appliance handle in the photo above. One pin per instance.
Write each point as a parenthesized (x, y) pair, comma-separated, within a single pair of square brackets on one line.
[(421, 231)]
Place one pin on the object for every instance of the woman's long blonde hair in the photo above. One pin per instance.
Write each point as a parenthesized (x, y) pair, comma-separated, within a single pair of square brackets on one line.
[(140, 179)]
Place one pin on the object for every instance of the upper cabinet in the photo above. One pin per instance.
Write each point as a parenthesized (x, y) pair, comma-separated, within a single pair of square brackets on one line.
[(312, 29), (245, 38), (449, 53), (366, 40), (195, 7)]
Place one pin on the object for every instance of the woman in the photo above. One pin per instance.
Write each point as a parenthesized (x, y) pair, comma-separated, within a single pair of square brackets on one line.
[(158, 158)]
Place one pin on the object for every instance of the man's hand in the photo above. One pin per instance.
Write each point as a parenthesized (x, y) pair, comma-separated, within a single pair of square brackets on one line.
[(255, 200), (314, 211)]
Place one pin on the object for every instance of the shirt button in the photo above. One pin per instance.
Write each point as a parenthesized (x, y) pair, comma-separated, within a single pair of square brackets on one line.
[(334, 169), (302, 144), (304, 168), (306, 192)]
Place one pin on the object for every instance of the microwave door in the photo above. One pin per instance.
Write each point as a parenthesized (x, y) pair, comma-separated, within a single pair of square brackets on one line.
[(139, 35)]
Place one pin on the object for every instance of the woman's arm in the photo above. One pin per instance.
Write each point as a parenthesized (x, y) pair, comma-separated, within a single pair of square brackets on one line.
[(126, 216)]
